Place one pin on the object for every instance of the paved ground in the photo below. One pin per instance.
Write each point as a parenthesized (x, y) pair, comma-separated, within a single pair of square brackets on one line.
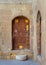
[(16, 62)]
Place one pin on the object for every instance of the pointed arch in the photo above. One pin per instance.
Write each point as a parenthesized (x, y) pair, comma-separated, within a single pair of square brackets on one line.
[(39, 32)]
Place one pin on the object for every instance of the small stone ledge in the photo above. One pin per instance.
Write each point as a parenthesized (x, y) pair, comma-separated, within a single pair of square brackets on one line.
[(12, 54)]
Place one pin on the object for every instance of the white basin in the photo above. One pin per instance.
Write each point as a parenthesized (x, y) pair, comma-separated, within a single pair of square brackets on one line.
[(21, 57)]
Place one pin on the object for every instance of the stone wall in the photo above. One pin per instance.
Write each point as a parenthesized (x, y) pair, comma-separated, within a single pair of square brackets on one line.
[(7, 13), (42, 8), (16, 1)]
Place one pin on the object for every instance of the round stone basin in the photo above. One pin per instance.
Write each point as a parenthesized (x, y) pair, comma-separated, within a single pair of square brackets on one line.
[(21, 57)]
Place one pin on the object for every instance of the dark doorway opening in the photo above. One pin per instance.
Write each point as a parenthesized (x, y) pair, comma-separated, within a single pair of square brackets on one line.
[(39, 32)]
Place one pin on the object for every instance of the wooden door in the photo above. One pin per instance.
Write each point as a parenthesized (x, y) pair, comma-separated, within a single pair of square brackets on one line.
[(20, 33)]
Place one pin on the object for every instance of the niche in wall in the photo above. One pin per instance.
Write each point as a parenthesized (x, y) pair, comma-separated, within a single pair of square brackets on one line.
[(20, 33), (39, 32)]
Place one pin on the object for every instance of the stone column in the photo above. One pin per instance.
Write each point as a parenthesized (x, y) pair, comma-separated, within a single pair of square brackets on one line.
[(35, 42), (43, 45), (35, 35)]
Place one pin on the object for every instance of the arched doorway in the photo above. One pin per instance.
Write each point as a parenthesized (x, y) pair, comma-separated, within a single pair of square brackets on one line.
[(39, 32), (20, 33)]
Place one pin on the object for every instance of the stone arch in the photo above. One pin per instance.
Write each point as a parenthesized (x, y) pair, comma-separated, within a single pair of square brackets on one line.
[(38, 32)]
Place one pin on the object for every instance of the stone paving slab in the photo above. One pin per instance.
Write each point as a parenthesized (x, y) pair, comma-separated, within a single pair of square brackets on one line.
[(16, 62)]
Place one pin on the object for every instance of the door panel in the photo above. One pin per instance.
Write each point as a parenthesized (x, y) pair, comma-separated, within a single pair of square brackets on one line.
[(20, 36)]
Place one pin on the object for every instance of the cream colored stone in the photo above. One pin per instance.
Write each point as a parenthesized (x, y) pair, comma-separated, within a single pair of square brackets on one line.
[(30, 9)]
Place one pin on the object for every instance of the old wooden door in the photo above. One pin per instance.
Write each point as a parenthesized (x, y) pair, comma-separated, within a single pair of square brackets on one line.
[(20, 33)]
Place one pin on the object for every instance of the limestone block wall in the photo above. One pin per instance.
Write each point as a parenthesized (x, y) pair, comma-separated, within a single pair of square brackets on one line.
[(16, 1), (7, 13), (5, 28)]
